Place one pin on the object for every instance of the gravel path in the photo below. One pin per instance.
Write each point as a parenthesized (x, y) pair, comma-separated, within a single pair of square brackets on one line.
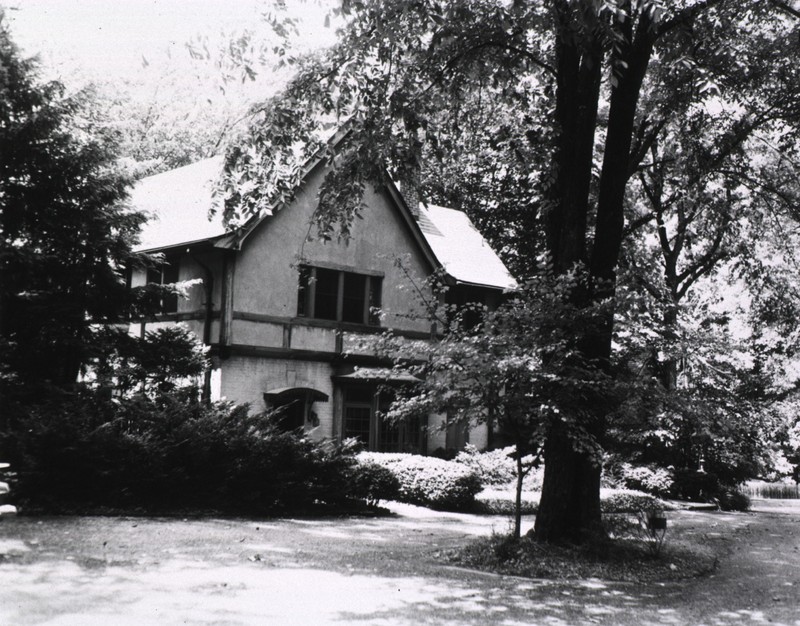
[(383, 571)]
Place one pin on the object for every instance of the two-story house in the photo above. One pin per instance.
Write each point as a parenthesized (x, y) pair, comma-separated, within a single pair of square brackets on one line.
[(282, 313)]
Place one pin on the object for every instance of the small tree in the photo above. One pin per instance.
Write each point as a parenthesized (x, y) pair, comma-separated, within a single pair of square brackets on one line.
[(162, 361), (518, 370)]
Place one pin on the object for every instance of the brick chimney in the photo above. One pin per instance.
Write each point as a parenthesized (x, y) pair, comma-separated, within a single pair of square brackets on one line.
[(409, 188)]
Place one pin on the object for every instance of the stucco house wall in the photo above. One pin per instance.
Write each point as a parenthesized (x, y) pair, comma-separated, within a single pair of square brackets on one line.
[(243, 300), (267, 266)]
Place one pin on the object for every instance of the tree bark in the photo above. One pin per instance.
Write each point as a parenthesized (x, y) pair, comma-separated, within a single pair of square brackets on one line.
[(518, 497), (569, 509)]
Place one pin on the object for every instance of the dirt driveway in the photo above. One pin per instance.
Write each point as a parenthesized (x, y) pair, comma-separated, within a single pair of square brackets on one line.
[(365, 571)]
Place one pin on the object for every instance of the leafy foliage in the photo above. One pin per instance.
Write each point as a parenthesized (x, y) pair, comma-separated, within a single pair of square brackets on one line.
[(521, 370), (157, 363), (649, 479), (504, 502), (373, 482), (136, 436), (430, 481), (564, 119), (734, 500), (80, 452), (630, 501), (65, 235), (495, 467)]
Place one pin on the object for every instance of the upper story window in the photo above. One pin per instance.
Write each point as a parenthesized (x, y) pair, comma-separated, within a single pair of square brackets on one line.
[(166, 274), (338, 295), (470, 303)]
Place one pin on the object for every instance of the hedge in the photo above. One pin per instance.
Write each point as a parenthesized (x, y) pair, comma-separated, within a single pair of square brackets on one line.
[(429, 481)]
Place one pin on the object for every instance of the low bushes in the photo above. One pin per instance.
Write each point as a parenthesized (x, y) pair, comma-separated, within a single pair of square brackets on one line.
[(628, 501), (494, 467), (680, 484), (372, 483), (734, 500), (429, 481), (771, 490), (81, 452), (499, 468), (657, 481), (612, 501), (493, 501)]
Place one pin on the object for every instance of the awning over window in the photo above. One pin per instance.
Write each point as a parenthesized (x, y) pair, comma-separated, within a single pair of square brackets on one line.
[(377, 374), (287, 393)]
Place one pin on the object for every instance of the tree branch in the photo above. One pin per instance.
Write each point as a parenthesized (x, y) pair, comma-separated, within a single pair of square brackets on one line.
[(786, 8), (636, 224), (685, 16)]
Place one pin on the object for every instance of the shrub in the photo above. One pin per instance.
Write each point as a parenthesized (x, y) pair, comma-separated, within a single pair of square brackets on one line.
[(494, 502), (498, 467), (386, 459), (82, 452), (494, 467), (628, 501), (372, 482), (628, 515), (650, 479), (696, 485), (734, 500), (430, 481)]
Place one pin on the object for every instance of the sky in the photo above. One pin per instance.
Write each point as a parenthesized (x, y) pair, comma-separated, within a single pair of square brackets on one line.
[(109, 38)]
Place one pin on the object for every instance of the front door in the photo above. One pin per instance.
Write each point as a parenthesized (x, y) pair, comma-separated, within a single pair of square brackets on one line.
[(364, 406)]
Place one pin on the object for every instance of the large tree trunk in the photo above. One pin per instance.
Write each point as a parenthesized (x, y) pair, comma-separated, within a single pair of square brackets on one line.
[(569, 509)]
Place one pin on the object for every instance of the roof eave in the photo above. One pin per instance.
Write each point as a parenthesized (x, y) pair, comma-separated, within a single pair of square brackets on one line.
[(416, 232), (210, 241), (468, 283)]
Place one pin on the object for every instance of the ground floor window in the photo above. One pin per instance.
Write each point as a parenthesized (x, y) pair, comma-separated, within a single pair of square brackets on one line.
[(457, 433), (291, 414), (363, 410), (293, 407)]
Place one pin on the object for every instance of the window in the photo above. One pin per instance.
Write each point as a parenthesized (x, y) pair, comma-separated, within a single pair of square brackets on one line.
[(457, 433), (292, 407), (291, 414), (338, 296), (470, 302), (166, 274), (363, 409)]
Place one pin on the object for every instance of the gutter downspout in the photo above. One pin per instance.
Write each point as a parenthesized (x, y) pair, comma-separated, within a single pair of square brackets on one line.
[(208, 289), (226, 313)]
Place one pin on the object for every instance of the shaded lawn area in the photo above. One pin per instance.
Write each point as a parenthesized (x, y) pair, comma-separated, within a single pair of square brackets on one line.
[(88, 570)]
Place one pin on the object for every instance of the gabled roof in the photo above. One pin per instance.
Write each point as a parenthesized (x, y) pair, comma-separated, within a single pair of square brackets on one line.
[(179, 203), (461, 249)]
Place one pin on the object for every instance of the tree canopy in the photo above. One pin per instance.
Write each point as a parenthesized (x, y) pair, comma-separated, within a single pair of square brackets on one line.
[(587, 111), (65, 234)]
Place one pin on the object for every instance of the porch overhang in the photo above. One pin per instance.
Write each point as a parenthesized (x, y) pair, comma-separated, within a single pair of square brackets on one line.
[(287, 393)]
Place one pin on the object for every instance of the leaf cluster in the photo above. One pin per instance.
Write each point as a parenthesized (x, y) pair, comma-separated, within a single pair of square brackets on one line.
[(65, 234)]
